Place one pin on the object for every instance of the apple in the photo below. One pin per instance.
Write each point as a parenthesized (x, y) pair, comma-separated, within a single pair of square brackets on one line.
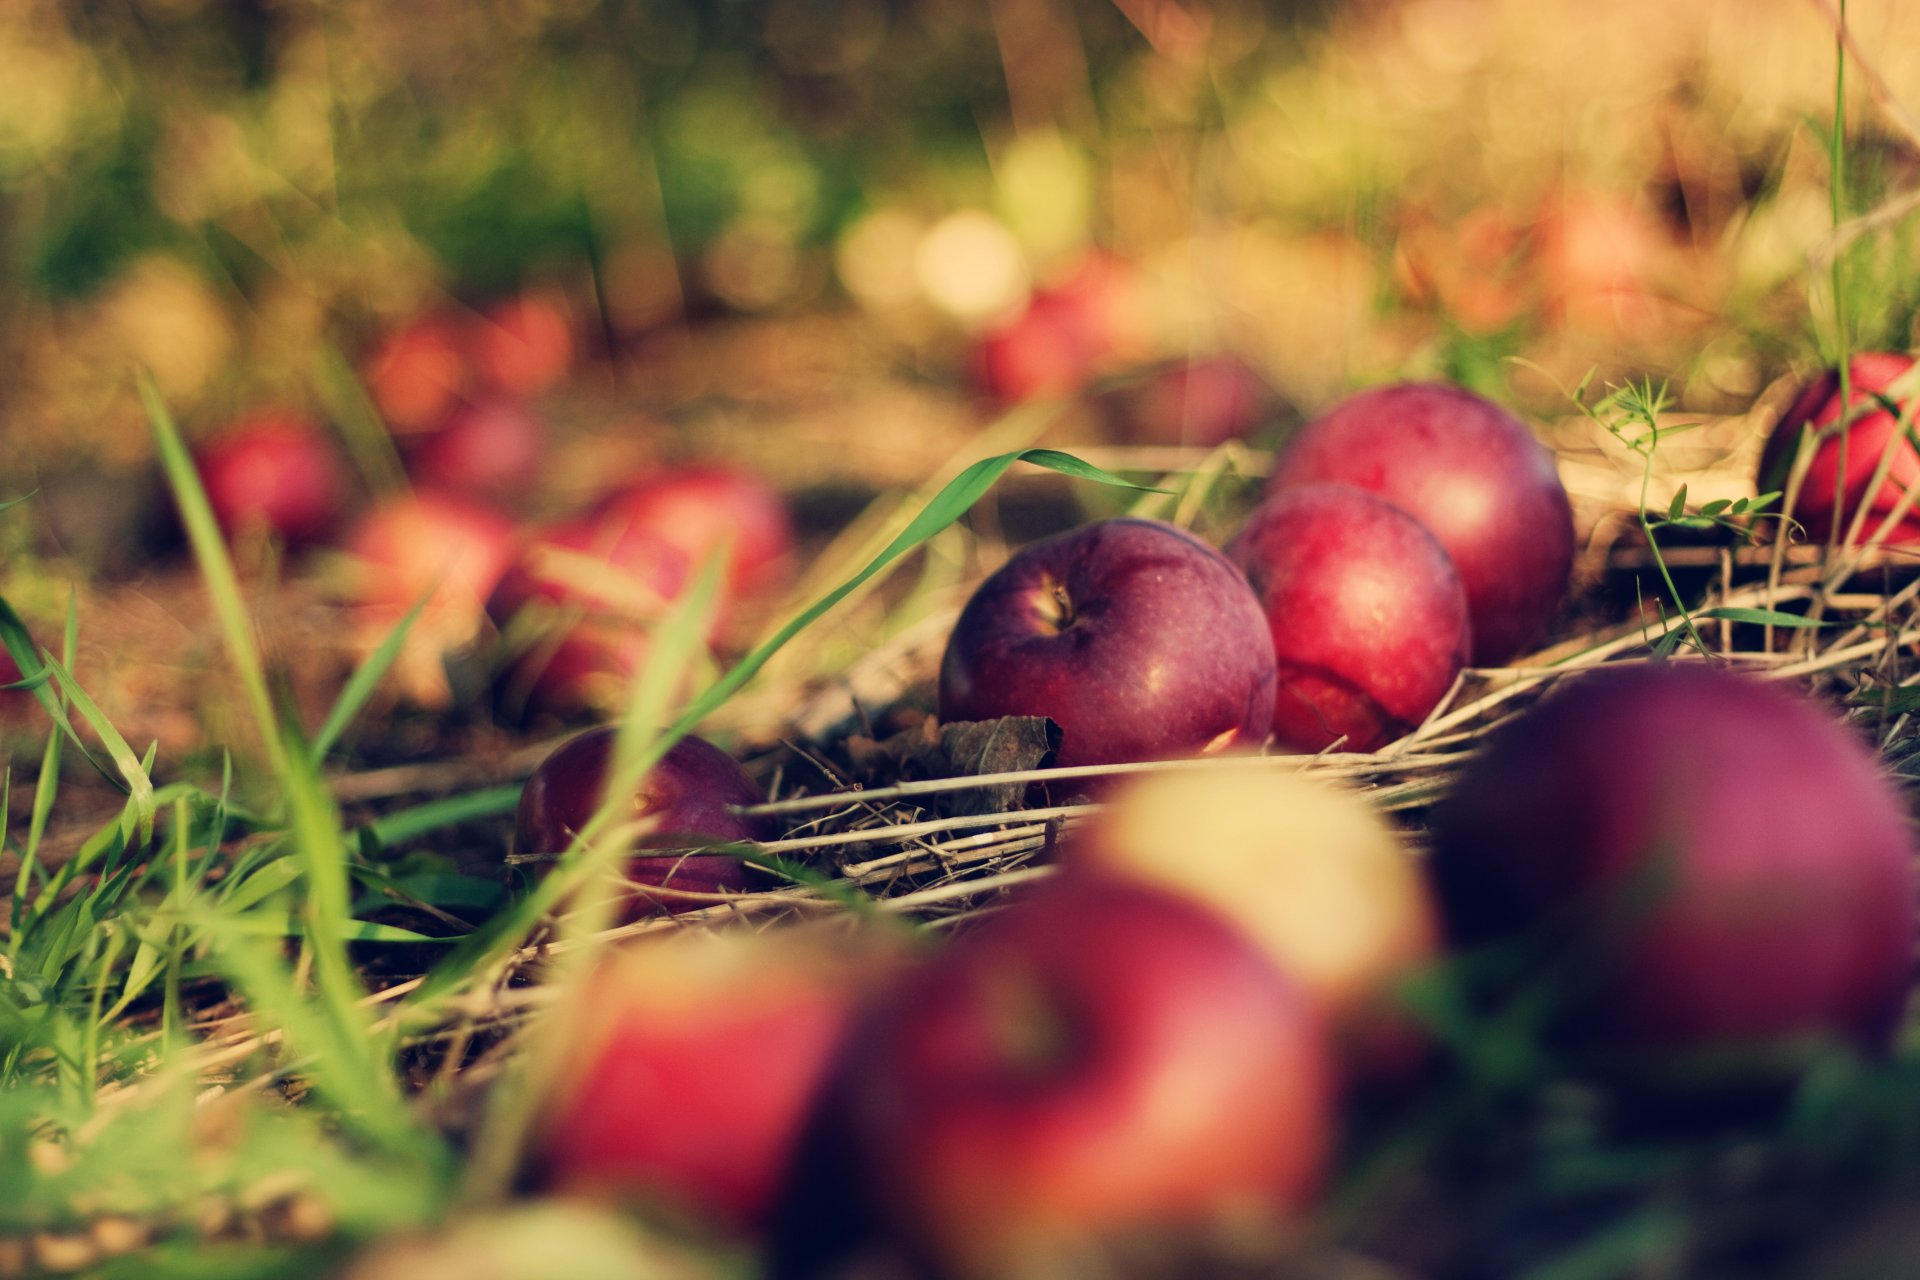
[(1139, 640), (578, 605), (273, 471), (1475, 476), (680, 1068), (1369, 619), (520, 346), (1205, 401), (1100, 1060), (406, 545), (1874, 378), (685, 799), (14, 703), (492, 449), (417, 373), (700, 508), (1307, 869), (1720, 863), (1062, 336)]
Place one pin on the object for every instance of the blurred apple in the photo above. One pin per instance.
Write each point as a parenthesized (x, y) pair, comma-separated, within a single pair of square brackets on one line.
[(1597, 258), (1064, 335), (15, 704), (1305, 868), (1098, 1061), (1876, 379), (1720, 864), (274, 472), (1471, 270), (1139, 640), (577, 608), (1368, 616), (492, 449), (1475, 476), (417, 373), (684, 800), (680, 1069), (521, 346), (1204, 402), (699, 509)]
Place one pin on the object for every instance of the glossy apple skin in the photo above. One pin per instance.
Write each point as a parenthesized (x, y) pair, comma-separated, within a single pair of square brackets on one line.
[(1139, 640), (1722, 864), (1102, 1058), (1475, 476), (521, 346), (274, 471), (1203, 402), (684, 1066), (1817, 409), (1368, 616), (418, 373), (685, 796), (593, 590), (1307, 869), (490, 450), (697, 509)]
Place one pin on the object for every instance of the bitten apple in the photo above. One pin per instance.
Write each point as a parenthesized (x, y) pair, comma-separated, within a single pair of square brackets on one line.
[(1475, 476), (684, 799), (680, 1069), (1368, 616), (1720, 863), (1854, 451), (1099, 1060), (1139, 640), (276, 472)]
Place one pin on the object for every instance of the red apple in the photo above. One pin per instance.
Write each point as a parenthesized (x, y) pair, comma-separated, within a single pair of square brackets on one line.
[(492, 449), (1062, 336), (1139, 640), (1369, 620), (681, 1068), (1475, 476), (578, 607), (1099, 1060), (685, 799), (698, 509), (275, 472), (417, 373), (522, 346), (1864, 440), (1205, 402), (14, 703), (1722, 864)]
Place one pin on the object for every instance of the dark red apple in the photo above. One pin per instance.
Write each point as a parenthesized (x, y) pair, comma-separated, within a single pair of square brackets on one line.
[(1204, 402), (417, 373), (521, 346), (492, 449), (275, 472), (1475, 476), (1139, 640), (685, 798), (681, 1068), (1864, 441), (1100, 1059), (699, 508), (577, 608), (1369, 620), (1722, 864)]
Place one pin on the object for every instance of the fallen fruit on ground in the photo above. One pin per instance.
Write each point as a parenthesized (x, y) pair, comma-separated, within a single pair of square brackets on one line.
[(685, 800), (417, 373), (700, 509), (1141, 641), (680, 1068), (492, 450), (1713, 862), (1844, 459), (1100, 1060), (520, 346), (1475, 476), (1368, 616), (273, 472), (1203, 402)]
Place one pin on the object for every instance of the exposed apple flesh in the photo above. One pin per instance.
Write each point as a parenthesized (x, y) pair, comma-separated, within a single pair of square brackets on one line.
[(1723, 865), (1138, 639), (685, 800), (1368, 616), (1475, 476)]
